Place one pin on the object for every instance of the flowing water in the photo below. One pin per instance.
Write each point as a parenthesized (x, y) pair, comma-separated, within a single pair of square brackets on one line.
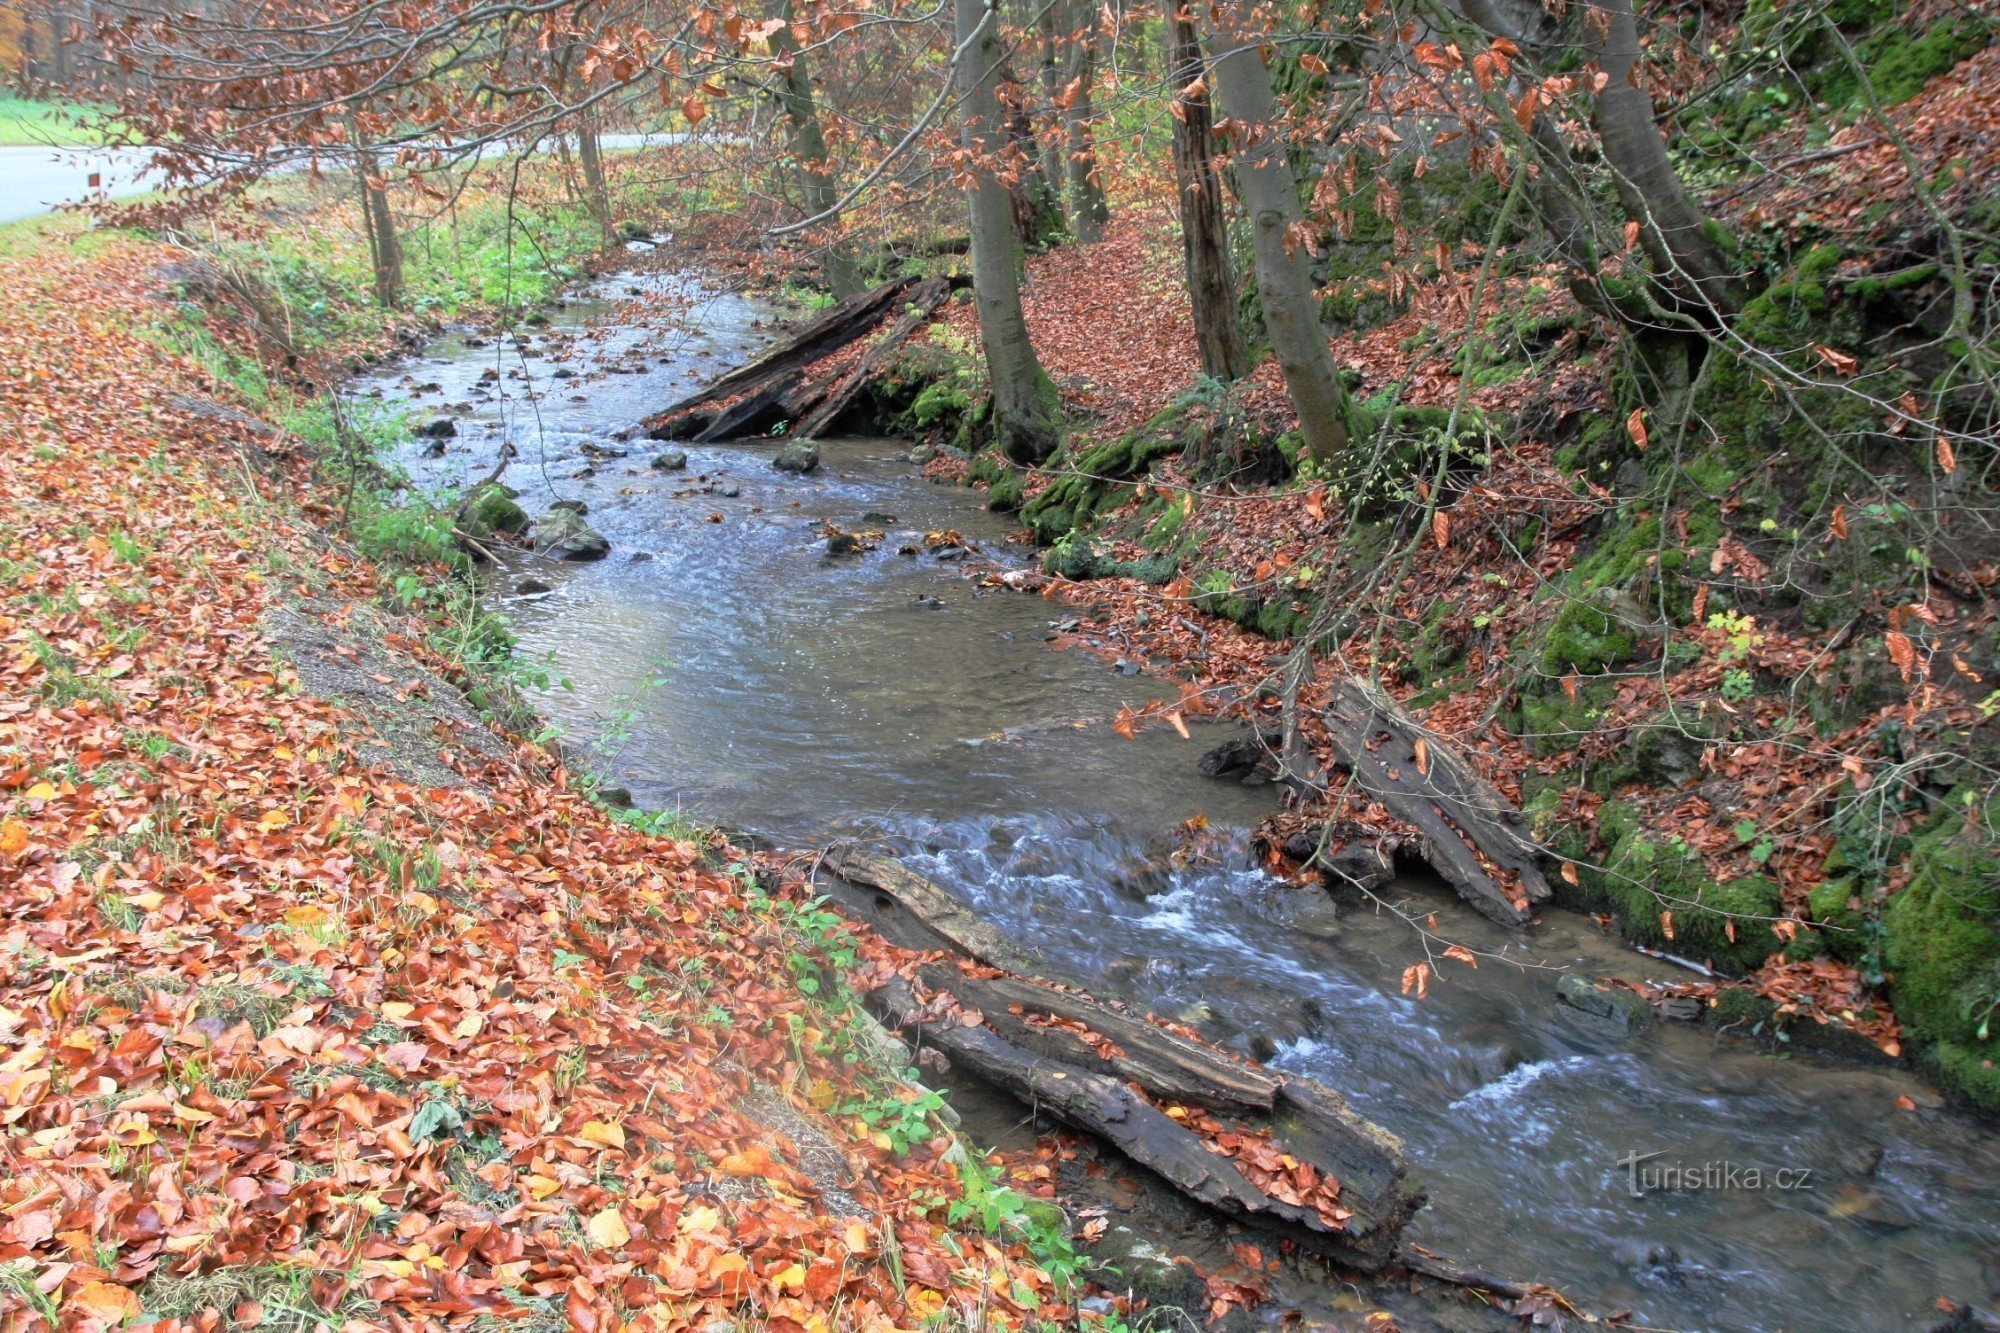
[(726, 664)]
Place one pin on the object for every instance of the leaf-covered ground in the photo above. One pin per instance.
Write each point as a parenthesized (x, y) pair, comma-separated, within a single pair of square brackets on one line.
[(284, 1036)]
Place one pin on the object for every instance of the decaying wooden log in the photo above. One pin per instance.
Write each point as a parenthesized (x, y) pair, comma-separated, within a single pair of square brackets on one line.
[(1471, 834), (1101, 1068), (922, 302), (828, 331)]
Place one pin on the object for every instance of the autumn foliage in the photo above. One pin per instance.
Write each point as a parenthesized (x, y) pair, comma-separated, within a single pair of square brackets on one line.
[(273, 1016)]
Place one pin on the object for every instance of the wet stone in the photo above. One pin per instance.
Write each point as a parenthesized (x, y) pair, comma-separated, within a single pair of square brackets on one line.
[(800, 456), (1623, 1008)]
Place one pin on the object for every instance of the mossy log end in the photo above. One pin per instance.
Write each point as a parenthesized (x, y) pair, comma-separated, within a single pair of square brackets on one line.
[(1471, 834), (1100, 1068)]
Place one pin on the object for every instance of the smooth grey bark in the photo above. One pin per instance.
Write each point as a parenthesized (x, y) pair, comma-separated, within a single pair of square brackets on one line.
[(1673, 230), (1024, 400), (796, 95), (1083, 197), (1211, 276), (1038, 210), (1052, 81), (1270, 195), (1672, 227), (597, 196), (385, 250)]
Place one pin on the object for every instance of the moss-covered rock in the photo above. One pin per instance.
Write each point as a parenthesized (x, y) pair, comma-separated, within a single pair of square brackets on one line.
[(1941, 941), (491, 511), (1088, 479), (1078, 560), (1664, 897)]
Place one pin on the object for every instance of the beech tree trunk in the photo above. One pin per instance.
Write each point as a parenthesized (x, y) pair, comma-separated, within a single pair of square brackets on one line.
[(1024, 400), (1052, 142), (1038, 210), (1084, 197), (1675, 234), (1211, 277), (385, 250), (808, 147), (597, 196), (1672, 227), (1270, 195)]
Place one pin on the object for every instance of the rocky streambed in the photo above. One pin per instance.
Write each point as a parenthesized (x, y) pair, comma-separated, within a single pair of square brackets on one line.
[(726, 655)]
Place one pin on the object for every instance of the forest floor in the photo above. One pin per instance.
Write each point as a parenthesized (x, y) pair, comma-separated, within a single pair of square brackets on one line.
[(323, 999)]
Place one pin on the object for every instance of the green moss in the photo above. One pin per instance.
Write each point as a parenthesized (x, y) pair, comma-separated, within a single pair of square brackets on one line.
[(1663, 749), (1941, 941), (1644, 878), (936, 403), (1003, 494), (493, 511), (1089, 479), (1846, 928), (1078, 560), (1587, 639), (1901, 59)]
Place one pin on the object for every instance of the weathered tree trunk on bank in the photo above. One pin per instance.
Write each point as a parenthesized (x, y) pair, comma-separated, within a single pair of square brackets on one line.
[(795, 94), (1024, 400), (780, 364), (1270, 195), (1469, 832), (1211, 277)]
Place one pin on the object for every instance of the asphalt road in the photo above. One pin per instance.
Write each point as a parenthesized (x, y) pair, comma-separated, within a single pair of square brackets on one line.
[(34, 180)]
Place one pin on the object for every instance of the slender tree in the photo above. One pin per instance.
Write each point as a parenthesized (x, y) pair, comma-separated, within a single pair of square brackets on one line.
[(385, 248), (1083, 197), (794, 90), (1024, 400), (1211, 277), (1270, 195)]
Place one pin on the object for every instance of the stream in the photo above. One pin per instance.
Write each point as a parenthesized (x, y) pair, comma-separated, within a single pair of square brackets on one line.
[(721, 662)]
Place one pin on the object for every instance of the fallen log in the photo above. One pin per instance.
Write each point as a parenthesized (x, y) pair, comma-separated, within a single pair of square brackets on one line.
[(828, 331), (923, 301), (752, 414), (1141, 1087), (1468, 831)]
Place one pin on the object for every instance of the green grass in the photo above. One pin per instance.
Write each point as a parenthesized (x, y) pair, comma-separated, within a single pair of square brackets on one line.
[(26, 121)]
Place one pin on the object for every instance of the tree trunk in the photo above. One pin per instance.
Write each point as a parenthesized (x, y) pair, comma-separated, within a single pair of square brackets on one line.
[(597, 197), (1024, 401), (1084, 198), (1037, 200), (1688, 261), (1671, 225), (1270, 195), (1052, 82), (808, 148), (1211, 277), (385, 251)]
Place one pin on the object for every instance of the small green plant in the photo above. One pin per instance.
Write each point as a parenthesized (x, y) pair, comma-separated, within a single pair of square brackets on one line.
[(1000, 1209), (898, 1122), (1740, 634)]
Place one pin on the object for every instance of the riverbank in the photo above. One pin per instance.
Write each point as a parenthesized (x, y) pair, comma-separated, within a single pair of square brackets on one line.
[(1741, 681), (328, 994)]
